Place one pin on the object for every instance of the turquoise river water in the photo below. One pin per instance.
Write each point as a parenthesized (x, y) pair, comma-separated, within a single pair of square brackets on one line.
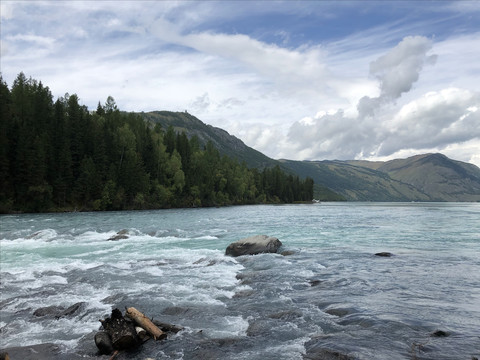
[(332, 295)]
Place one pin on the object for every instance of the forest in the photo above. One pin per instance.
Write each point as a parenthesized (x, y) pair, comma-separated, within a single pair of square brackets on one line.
[(59, 156)]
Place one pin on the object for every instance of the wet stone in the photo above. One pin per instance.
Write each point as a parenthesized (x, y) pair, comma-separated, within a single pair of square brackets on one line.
[(439, 333), (58, 312), (316, 350), (337, 312), (325, 354), (253, 245), (175, 310), (122, 234), (287, 315), (384, 254), (243, 294)]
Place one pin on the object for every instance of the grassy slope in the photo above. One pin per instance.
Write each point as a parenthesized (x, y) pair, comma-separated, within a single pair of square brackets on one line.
[(442, 178), (356, 183)]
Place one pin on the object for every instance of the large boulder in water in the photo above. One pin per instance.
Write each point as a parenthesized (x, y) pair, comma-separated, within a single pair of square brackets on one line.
[(257, 244)]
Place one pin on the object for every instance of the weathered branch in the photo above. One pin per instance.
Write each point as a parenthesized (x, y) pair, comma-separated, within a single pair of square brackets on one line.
[(141, 320)]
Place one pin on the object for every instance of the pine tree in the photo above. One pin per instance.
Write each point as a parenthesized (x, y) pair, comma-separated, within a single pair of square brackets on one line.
[(6, 189)]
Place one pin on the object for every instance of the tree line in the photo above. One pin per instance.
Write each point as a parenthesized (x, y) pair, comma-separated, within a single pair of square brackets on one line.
[(59, 156)]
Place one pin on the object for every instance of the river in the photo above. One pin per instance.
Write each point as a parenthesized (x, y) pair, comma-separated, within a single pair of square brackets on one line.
[(332, 295)]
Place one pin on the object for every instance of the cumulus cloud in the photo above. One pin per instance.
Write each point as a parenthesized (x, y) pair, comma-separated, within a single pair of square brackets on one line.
[(400, 68), (362, 134), (396, 72), (435, 120)]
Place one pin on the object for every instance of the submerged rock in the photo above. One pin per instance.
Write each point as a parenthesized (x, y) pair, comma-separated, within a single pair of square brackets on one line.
[(52, 311), (316, 350), (165, 327), (243, 294), (439, 333), (288, 315), (384, 254), (122, 234), (31, 352), (325, 354), (218, 348), (253, 245), (339, 312), (58, 312), (47, 351), (314, 282), (104, 343)]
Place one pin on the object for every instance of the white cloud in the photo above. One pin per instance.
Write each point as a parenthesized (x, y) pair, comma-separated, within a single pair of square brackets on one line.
[(400, 67), (457, 64), (436, 120), (6, 10), (347, 136), (189, 56), (21, 46), (36, 40), (292, 69), (200, 104)]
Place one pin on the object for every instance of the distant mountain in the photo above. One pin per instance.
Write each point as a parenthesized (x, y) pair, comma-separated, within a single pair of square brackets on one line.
[(428, 177), (443, 179), (356, 183)]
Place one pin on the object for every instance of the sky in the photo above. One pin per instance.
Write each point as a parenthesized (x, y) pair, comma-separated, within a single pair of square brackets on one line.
[(300, 80)]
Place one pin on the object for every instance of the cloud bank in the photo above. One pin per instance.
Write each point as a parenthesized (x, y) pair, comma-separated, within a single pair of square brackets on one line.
[(293, 82)]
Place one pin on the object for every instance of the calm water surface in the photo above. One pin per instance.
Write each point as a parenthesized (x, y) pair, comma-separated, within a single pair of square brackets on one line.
[(331, 294)]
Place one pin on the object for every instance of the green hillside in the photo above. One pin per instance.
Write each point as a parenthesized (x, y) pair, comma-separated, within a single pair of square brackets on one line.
[(225, 143), (442, 178), (356, 183), (427, 177)]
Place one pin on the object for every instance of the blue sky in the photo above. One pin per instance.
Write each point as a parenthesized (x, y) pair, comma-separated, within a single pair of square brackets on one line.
[(306, 80)]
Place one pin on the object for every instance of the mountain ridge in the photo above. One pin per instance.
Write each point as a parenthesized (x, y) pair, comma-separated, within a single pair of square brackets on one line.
[(227, 144), (423, 177)]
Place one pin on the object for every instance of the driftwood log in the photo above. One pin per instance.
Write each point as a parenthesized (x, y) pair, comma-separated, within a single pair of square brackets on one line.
[(144, 322), (122, 332)]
